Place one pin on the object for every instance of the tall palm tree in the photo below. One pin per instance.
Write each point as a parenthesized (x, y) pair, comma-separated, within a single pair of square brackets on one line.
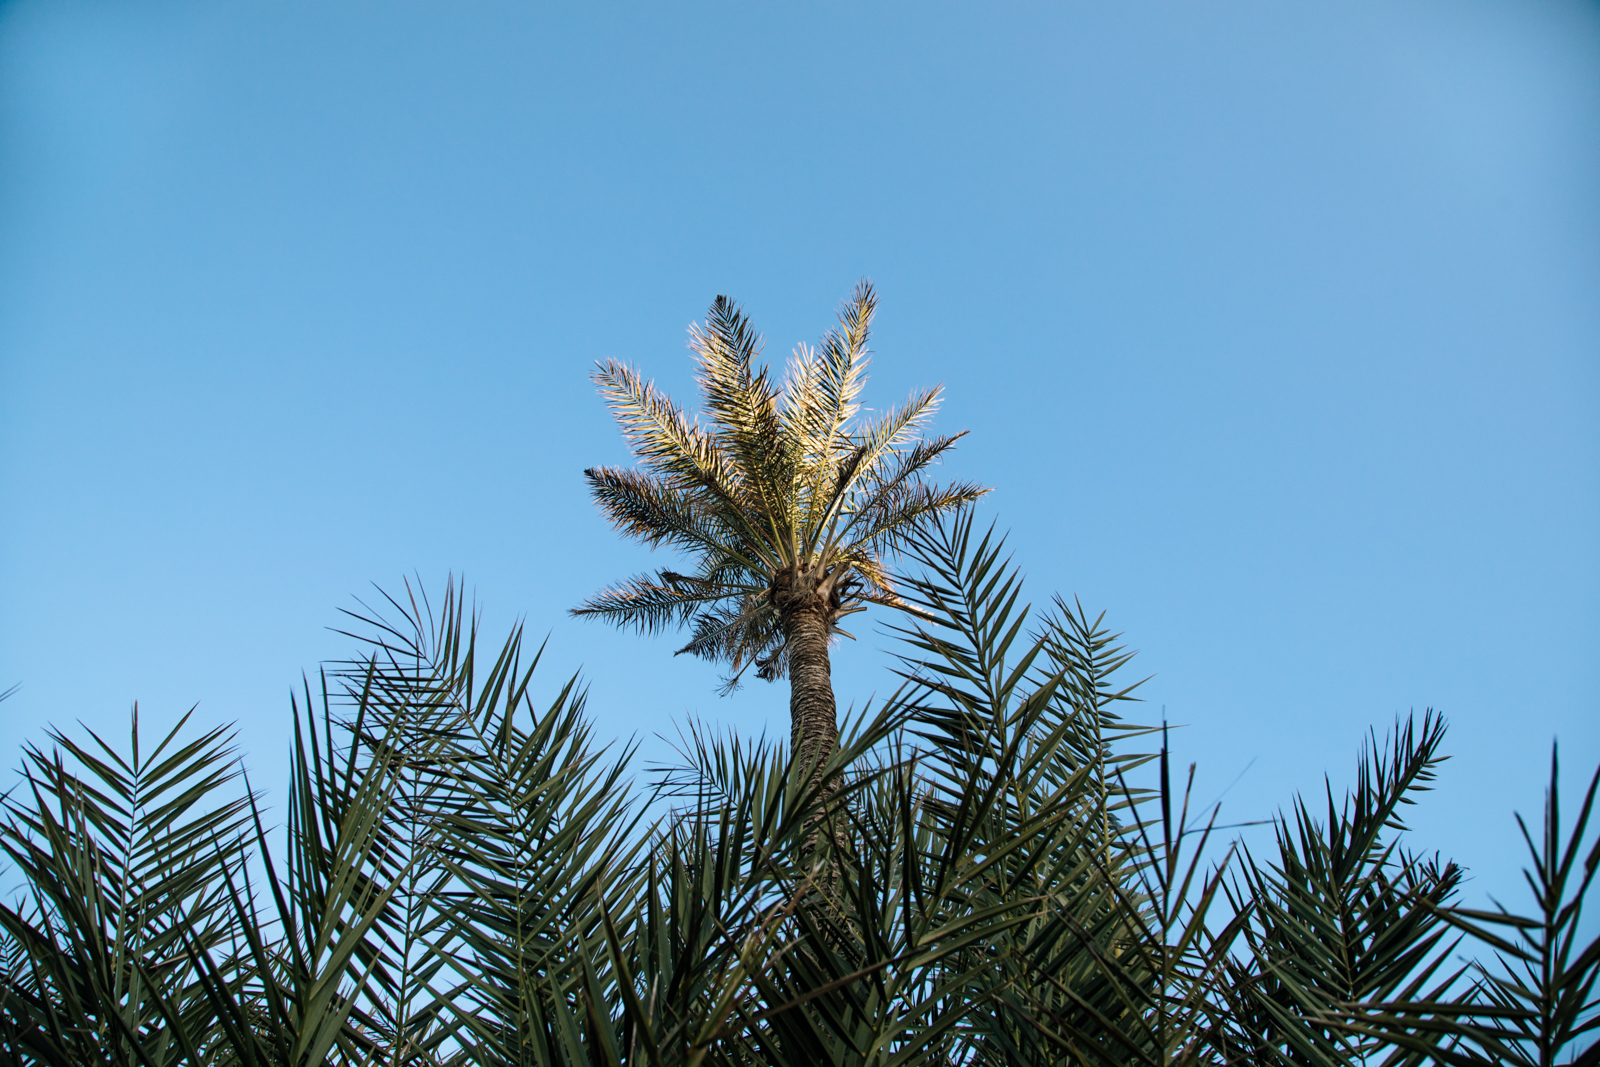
[(787, 504)]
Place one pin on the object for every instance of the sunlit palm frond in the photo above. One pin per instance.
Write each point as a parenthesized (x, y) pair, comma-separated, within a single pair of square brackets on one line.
[(897, 428), (815, 450), (902, 511), (665, 440), (897, 469), (899, 500), (743, 406), (820, 414), (800, 411), (876, 461), (843, 366), (876, 582)]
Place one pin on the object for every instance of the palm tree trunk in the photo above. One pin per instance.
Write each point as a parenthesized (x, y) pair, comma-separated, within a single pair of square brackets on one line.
[(814, 734), (813, 728)]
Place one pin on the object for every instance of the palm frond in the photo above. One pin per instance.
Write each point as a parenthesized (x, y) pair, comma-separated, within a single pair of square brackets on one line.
[(647, 509), (1537, 1003), (1345, 917), (669, 444), (823, 400), (743, 406), (466, 879), (651, 604), (124, 851)]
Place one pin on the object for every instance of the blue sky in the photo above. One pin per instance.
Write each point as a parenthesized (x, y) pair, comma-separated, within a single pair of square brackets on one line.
[(1275, 327)]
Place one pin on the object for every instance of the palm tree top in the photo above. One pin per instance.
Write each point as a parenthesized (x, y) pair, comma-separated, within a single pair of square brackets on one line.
[(780, 494)]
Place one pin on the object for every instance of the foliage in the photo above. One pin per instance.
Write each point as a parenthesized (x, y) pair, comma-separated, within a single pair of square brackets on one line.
[(782, 494), (464, 877)]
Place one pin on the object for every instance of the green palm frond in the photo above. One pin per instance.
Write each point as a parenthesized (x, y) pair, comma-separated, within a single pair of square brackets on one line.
[(1345, 916), (465, 879), (1537, 1003), (651, 604), (511, 819), (125, 851), (651, 512)]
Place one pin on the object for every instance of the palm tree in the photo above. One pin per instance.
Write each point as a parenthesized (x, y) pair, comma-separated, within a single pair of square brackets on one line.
[(787, 504)]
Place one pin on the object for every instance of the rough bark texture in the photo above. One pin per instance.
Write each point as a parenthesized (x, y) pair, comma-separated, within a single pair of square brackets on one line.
[(813, 727), (806, 607)]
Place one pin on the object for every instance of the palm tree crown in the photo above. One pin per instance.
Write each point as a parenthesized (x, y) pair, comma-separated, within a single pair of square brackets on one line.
[(786, 502)]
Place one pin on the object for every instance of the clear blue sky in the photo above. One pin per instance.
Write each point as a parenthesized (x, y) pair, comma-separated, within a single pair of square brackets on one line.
[(1275, 325)]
